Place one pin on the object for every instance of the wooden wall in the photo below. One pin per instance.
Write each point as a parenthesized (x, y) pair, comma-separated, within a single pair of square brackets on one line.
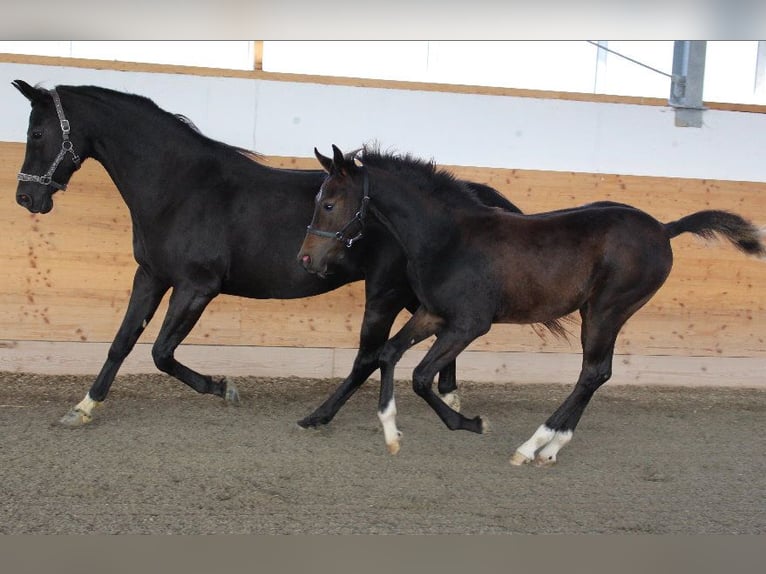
[(66, 275)]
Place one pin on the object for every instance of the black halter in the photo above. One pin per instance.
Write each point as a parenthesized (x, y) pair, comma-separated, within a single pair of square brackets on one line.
[(66, 147), (357, 219)]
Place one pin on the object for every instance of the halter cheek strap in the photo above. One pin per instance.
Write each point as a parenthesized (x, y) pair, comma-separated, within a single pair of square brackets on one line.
[(66, 148), (357, 219)]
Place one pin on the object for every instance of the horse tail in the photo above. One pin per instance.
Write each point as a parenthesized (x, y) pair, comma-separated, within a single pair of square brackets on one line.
[(743, 235)]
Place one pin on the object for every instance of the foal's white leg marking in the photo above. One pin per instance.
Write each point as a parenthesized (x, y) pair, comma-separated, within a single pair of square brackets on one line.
[(547, 456), (526, 451), (390, 432), (452, 400)]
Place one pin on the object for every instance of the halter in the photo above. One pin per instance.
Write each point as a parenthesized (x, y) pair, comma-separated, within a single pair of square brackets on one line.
[(358, 218), (66, 147)]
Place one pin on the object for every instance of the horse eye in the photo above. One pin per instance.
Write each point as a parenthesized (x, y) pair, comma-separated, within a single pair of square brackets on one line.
[(37, 134), (328, 206)]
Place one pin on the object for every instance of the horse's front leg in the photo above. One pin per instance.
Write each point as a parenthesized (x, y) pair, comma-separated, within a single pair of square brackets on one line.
[(448, 345), (145, 297), (420, 326), (379, 315)]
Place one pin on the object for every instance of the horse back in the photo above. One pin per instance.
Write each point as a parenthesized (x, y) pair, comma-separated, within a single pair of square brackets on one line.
[(539, 267)]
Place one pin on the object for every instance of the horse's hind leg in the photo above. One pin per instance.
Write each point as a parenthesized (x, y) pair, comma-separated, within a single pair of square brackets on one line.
[(145, 297), (600, 327), (557, 431), (184, 310)]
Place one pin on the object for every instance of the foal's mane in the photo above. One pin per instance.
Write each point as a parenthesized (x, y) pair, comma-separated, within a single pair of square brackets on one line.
[(448, 188), (424, 174), (126, 100)]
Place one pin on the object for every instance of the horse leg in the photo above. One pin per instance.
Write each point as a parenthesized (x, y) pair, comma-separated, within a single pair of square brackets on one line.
[(598, 336), (379, 315), (145, 297), (557, 431), (447, 376), (420, 326), (448, 386), (448, 345), (184, 310)]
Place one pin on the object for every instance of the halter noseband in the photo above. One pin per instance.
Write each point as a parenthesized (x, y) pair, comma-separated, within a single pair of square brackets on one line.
[(358, 218), (66, 147)]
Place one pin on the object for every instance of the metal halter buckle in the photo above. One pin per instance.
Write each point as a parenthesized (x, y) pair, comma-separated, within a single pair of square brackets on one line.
[(358, 218)]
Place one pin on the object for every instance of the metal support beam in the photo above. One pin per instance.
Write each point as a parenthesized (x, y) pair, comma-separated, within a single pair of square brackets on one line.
[(759, 89), (687, 82), (601, 53)]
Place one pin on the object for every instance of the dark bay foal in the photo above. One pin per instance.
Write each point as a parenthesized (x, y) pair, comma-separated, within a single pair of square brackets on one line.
[(472, 266)]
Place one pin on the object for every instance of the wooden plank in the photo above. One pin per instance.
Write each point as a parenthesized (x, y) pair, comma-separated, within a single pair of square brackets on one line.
[(259, 74), (59, 358), (67, 275)]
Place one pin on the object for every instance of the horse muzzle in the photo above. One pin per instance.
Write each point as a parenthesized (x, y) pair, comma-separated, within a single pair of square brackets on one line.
[(43, 205), (309, 265)]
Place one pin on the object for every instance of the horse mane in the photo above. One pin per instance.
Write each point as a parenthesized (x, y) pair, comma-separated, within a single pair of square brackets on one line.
[(110, 96), (451, 190), (424, 174)]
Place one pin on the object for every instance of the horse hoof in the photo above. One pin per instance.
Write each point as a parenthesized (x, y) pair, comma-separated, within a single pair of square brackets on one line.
[(519, 459), (393, 447), (311, 422), (306, 423), (230, 394), (543, 462), (75, 418), (486, 428)]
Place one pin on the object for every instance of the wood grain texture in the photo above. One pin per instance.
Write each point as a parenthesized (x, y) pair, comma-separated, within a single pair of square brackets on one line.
[(259, 74), (66, 276)]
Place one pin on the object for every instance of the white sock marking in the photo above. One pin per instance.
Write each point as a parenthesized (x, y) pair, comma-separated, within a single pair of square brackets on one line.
[(87, 405), (388, 420), (543, 435), (550, 450)]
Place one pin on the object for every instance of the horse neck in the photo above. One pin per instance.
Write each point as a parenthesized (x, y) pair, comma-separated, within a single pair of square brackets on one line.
[(419, 221), (134, 149)]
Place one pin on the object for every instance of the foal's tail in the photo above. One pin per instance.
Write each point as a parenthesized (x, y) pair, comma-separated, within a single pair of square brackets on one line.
[(744, 235)]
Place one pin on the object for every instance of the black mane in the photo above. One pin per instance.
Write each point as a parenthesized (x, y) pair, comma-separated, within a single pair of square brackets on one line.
[(112, 98), (423, 174)]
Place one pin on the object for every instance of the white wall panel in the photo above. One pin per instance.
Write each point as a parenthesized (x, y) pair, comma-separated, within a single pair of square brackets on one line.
[(289, 119)]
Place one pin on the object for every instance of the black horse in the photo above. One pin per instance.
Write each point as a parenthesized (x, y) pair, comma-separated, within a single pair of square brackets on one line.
[(207, 219), (472, 266)]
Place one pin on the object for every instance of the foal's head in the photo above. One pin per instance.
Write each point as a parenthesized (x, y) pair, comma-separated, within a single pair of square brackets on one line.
[(51, 153), (340, 210)]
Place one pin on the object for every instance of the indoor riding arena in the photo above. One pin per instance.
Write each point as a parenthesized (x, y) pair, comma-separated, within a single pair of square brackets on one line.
[(671, 444)]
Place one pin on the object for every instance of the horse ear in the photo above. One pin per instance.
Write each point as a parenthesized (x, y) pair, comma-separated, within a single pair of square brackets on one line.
[(325, 161), (337, 156), (343, 165), (31, 93)]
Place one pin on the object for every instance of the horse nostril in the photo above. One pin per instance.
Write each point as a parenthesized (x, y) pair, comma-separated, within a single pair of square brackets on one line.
[(24, 200)]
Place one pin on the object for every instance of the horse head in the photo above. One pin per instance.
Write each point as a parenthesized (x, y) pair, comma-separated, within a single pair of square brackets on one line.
[(50, 158), (339, 213)]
